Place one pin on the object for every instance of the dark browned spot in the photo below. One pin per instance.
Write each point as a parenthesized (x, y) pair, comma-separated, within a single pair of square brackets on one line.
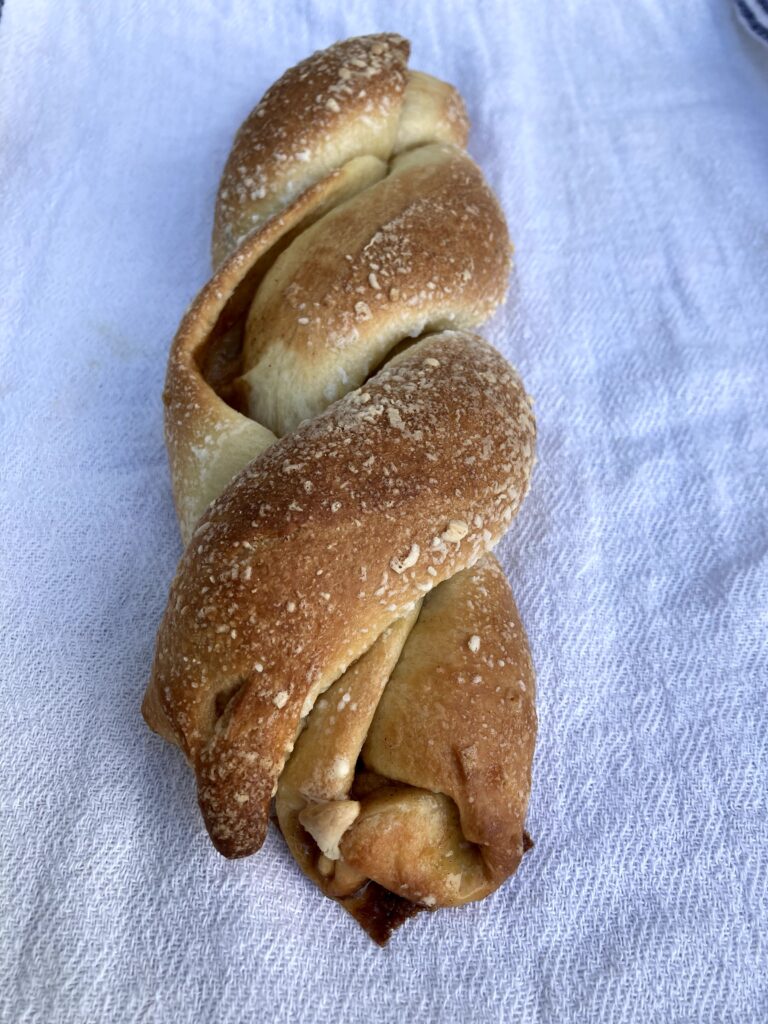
[(366, 782), (379, 911)]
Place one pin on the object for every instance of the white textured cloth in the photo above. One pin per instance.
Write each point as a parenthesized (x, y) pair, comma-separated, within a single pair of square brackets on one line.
[(629, 146)]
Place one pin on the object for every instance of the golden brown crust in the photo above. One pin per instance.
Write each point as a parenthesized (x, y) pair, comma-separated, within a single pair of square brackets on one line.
[(458, 717), (300, 131), (425, 248), (442, 709), (307, 571), (326, 159), (322, 768), (440, 440), (355, 98), (208, 440)]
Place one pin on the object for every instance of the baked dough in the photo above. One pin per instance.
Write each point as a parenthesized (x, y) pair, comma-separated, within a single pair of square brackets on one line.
[(345, 453)]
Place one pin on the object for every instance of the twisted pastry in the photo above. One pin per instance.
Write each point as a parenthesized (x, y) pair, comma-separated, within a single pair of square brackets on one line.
[(344, 454)]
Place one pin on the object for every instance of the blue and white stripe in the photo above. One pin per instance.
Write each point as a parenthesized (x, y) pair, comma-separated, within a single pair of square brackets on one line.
[(753, 15)]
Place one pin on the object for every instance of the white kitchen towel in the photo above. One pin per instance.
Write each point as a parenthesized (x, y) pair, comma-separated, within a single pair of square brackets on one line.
[(628, 144)]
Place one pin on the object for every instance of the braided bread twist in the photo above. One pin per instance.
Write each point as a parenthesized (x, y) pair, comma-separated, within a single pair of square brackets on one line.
[(344, 454)]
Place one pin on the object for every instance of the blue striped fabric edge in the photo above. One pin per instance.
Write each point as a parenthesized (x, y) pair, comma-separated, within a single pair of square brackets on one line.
[(750, 20)]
